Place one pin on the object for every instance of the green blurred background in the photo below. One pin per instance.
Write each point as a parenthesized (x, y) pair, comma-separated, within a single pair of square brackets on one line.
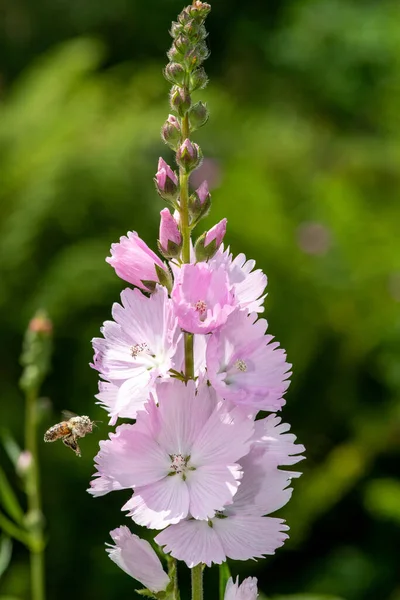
[(303, 157)]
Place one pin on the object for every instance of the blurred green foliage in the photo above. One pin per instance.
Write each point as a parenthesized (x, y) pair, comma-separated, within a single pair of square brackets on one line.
[(304, 150)]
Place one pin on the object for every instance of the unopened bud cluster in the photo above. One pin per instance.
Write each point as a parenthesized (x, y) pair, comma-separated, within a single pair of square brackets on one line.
[(186, 74)]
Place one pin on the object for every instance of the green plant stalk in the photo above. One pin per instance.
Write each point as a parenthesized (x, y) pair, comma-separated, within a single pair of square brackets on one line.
[(197, 582), (197, 572), (36, 546)]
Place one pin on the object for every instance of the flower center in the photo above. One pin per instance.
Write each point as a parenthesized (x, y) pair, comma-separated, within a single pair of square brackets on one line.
[(241, 365), (138, 349), (201, 307), (180, 465)]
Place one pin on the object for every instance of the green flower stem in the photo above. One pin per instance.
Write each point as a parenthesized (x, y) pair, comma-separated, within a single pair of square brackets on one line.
[(197, 582), (184, 198), (197, 572), (34, 517)]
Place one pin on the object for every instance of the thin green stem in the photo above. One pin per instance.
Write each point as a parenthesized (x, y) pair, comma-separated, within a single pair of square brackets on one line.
[(184, 199), (35, 520), (197, 572), (185, 230), (177, 594), (197, 582)]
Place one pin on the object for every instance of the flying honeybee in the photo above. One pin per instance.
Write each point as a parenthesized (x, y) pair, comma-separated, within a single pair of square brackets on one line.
[(70, 430)]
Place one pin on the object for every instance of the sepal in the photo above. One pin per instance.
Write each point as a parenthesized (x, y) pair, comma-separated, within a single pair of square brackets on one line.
[(198, 115)]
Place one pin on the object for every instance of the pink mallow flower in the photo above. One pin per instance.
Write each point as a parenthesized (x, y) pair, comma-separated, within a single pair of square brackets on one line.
[(245, 591), (248, 284), (202, 297), (244, 366), (137, 558), (241, 531), (137, 348), (179, 457), (134, 262)]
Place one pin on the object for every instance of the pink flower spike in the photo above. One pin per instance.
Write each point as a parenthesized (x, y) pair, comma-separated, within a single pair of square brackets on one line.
[(134, 262), (179, 457), (246, 591), (202, 298), (137, 558), (216, 233), (203, 193), (244, 366), (170, 237)]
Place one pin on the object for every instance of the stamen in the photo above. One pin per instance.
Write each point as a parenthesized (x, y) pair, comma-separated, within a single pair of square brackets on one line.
[(138, 349), (201, 307), (179, 463), (241, 365)]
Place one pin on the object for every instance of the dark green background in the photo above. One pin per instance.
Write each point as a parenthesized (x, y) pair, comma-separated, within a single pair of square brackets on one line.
[(304, 138)]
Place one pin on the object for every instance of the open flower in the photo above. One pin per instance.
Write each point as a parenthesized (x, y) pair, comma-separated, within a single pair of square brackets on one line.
[(137, 348), (246, 591), (240, 531), (137, 558), (248, 284), (202, 298), (134, 262), (244, 366), (179, 457)]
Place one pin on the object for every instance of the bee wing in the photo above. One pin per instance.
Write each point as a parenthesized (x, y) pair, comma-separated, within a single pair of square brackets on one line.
[(68, 414)]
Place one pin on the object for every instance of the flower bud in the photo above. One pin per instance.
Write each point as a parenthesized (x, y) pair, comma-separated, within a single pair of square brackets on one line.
[(188, 155), (171, 132), (199, 10), (175, 55), (166, 181), (182, 43), (208, 243), (196, 55), (184, 16), (198, 80), (24, 463), (198, 115), (176, 29), (180, 100), (200, 202), (170, 241), (174, 73), (36, 352)]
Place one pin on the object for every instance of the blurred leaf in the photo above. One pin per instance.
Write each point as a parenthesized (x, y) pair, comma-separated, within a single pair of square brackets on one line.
[(9, 500), (10, 446), (382, 498), (13, 531), (5, 553)]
